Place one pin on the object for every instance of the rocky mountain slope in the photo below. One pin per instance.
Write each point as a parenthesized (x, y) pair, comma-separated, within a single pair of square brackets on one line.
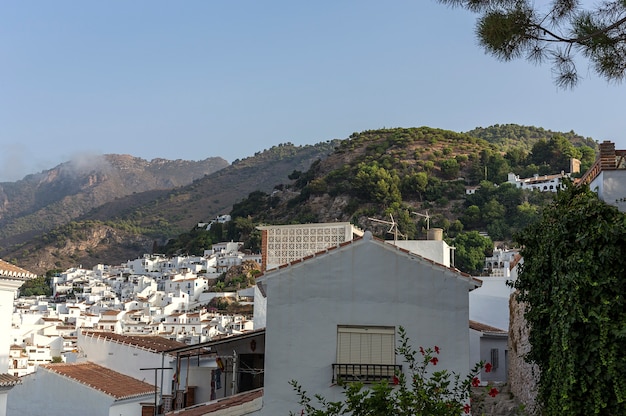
[(111, 226), (45, 200)]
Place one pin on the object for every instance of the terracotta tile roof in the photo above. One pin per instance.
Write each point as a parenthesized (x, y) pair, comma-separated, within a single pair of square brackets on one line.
[(478, 326), (7, 380), (112, 383), (147, 342), (12, 271), (215, 406)]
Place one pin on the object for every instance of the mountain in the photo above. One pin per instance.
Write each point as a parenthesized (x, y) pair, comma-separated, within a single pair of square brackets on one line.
[(372, 174), (122, 210), (54, 197)]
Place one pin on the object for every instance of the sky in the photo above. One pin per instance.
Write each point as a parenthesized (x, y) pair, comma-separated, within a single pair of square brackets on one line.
[(200, 78)]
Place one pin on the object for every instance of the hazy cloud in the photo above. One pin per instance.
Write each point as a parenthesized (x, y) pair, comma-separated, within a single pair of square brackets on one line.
[(13, 163)]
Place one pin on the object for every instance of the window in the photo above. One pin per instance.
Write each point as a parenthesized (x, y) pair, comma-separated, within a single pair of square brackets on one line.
[(494, 358), (365, 353)]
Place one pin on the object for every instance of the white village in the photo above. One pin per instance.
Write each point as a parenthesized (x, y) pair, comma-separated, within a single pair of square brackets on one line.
[(145, 337)]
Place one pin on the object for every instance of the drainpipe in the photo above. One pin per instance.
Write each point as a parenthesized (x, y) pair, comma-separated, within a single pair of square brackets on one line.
[(162, 368)]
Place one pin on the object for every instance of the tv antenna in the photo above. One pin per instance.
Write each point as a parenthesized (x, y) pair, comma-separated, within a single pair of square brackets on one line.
[(393, 229), (427, 216)]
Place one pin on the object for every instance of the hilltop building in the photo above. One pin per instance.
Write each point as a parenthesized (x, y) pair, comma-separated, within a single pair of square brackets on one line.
[(545, 183)]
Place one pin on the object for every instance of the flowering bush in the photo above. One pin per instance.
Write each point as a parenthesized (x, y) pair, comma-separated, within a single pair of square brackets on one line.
[(420, 391)]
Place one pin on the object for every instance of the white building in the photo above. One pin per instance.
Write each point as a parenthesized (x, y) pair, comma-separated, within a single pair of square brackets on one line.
[(129, 354), (281, 244), (489, 344), (499, 263), (542, 183), (354, 297), (607, 176), (79, 389), (11, 278)]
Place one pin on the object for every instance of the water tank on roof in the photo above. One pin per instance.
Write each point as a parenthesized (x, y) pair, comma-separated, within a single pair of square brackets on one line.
[(435, 234)]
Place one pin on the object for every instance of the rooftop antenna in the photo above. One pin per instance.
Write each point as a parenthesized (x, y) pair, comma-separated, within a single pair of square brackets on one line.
[(393, 229), (425, 216)]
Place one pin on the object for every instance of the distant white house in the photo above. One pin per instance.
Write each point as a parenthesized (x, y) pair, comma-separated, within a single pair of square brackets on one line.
[(542, 183), (545, 183), (499, 263)]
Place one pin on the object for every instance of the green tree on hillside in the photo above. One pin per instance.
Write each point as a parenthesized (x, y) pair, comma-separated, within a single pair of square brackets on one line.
[(471, 250), (39, 286), (554, 31), (572, 279)]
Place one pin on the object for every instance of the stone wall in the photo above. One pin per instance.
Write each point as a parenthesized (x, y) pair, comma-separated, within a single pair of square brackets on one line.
[(523, 377)]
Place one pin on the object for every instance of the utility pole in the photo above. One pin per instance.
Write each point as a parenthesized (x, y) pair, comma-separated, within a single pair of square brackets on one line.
[(234, 382), (155, 384)]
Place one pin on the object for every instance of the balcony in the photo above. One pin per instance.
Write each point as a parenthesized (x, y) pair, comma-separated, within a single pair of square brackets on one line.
[(365, 373)]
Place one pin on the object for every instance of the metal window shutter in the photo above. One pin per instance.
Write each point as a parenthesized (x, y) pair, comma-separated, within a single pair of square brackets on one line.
[(366, 345)]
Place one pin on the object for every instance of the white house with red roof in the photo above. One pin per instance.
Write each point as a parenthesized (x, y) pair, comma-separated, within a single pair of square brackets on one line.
[(77, 390), (129, 354)]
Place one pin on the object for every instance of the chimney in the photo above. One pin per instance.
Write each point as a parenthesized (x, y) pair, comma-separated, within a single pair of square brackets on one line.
[(574, 165), (607, 155)]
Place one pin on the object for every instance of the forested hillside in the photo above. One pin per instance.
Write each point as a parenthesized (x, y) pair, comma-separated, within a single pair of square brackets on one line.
[(407, 174)]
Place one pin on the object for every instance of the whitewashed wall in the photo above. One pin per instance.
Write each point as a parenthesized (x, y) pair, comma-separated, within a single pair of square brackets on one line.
[(127, 359), (44, 393), (365, 283)]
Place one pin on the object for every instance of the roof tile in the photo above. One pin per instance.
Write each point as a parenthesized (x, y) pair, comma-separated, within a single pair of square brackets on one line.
[(112, 383)]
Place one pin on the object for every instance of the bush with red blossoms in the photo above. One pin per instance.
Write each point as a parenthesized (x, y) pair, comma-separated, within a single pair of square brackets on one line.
[(420, 391)]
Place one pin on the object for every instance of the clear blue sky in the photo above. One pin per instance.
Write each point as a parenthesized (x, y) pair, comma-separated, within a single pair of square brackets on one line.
[(199, 78)]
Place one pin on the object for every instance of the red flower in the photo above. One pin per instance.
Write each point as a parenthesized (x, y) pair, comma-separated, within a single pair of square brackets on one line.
[(467, 408), (475, 382), (422, 350), (434, 360), (396, 380), (493, 392), (488, 367), (437, 349)]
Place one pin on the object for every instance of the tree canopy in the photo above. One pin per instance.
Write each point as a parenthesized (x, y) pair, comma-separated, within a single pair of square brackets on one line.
[(554, 31), (572, 279)]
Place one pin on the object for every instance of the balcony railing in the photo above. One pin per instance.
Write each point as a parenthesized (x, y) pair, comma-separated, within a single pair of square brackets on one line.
[(365, 373)]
